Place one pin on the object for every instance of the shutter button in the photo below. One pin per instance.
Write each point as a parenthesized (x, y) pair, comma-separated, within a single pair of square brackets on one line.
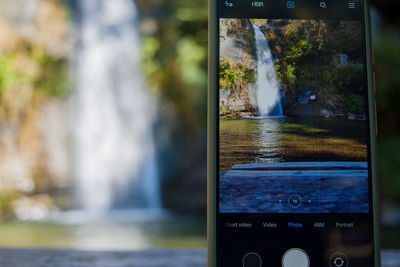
[(295, 257)]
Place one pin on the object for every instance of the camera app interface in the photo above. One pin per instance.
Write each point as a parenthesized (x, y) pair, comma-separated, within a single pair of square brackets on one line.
[(294, 171)]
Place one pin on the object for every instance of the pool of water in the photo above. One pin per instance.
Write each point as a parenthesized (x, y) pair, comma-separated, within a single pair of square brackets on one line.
[(167, 232), (291, 140)]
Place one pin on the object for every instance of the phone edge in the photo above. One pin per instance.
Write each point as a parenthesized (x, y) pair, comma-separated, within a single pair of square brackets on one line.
[(373, 132), (212, 135)]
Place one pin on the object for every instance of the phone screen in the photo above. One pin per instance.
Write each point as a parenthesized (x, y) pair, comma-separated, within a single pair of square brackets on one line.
[(294, 185)]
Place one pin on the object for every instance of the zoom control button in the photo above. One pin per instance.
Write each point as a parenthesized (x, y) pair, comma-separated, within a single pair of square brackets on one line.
[(295, 201), (252, 260), (338, 259)]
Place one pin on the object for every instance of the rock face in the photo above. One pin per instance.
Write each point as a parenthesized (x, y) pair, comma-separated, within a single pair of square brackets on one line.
[(237, 85), (34, 51)]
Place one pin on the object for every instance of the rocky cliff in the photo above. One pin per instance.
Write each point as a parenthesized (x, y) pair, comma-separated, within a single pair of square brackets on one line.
[(33, 85), (237, 68)]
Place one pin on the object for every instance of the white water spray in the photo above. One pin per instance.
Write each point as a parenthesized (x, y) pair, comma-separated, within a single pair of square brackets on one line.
[(267, 84), (114, 163)]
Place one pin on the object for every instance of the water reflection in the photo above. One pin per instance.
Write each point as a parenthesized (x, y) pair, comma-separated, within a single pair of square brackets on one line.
[(269, 141), (266, 140)]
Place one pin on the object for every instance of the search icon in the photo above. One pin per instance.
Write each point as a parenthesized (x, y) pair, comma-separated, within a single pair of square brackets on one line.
[(323, 5)]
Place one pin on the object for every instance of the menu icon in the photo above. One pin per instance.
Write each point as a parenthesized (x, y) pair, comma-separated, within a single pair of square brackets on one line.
[(352, 5)]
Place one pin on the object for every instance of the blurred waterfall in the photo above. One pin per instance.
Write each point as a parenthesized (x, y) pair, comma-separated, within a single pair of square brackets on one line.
[(113, 154)]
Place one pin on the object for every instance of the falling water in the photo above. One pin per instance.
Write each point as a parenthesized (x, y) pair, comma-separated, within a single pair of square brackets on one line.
[(114, 164), (267, 85)]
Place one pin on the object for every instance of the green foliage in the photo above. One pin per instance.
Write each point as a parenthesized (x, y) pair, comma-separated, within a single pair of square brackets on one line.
[(10, 75), (26, 72), (346, 80), (250, 36), (308, 59), (190, 57), (347, 83), (175, 57), (234, 77), (6, 204), (229, 75), (387, 67), (258, 21), (16, 78), (52, 79), (354, 104), (225, 113), (389, 168), (291, 76), (301, 49)]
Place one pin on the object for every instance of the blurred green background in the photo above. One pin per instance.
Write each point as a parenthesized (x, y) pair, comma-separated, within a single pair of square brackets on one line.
[(386, 38), (35, 52)]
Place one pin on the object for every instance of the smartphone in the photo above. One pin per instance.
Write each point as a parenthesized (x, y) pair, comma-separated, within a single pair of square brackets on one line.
[(292, 135)]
